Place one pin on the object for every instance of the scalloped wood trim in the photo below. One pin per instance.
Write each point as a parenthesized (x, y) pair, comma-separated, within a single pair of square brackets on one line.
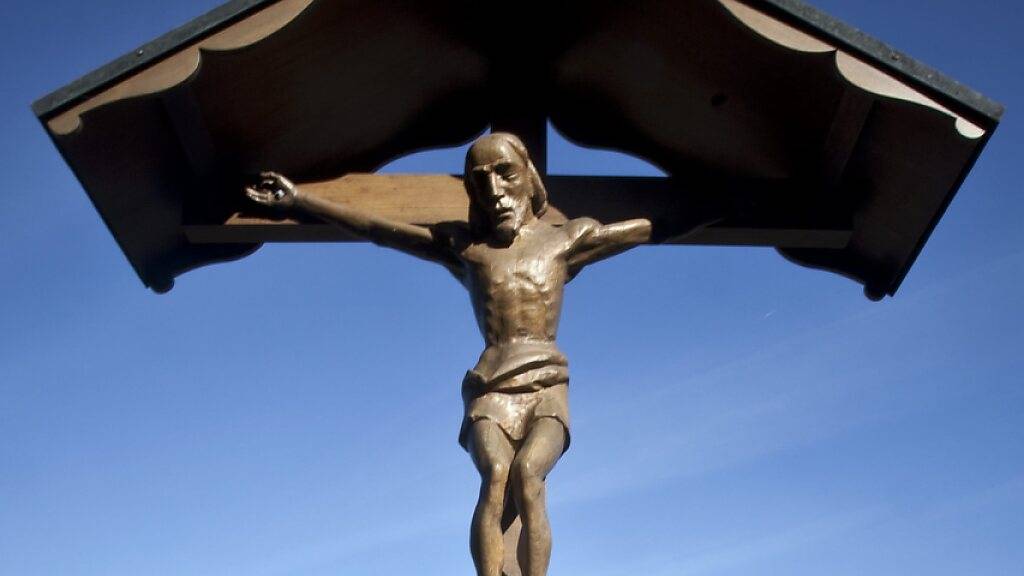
[(854, 70), (869, 78), (775, 30), (178, 67)]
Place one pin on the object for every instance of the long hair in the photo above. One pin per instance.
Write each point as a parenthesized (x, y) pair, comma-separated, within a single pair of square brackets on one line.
[(479, 223)]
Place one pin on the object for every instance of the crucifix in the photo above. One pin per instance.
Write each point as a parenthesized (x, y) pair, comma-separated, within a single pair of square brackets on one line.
[(515, 267), (776, 125)]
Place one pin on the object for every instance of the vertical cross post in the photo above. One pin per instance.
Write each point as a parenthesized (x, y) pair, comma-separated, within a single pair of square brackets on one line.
[(518, 107)]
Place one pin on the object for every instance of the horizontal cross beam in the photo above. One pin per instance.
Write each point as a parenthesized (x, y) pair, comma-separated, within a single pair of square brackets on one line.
[(752, 213)]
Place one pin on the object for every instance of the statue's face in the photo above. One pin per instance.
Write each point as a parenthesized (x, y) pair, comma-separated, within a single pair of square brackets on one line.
[(502, 186)]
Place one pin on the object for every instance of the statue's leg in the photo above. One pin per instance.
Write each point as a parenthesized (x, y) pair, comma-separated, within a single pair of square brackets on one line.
[(540, 451), (493, 454)]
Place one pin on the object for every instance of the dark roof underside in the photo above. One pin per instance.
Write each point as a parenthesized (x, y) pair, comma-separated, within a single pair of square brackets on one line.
[(706, 90)]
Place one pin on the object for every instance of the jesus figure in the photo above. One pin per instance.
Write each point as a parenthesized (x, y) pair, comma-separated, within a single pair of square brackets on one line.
[(515, 267)]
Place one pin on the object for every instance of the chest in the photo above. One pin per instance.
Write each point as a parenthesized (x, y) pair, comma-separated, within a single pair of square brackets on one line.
[(538, 261)]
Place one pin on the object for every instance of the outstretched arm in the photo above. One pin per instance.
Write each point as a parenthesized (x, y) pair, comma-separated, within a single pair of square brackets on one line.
[(278, 192), (592, 241)]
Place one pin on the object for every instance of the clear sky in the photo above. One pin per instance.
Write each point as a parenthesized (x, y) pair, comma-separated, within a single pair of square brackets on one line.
[(295, 413)]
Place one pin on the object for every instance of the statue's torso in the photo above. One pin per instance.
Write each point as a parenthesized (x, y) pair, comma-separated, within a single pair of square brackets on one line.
[(516, 292)]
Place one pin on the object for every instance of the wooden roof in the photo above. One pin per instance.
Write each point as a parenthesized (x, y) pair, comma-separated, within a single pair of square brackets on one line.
[(813, 137)]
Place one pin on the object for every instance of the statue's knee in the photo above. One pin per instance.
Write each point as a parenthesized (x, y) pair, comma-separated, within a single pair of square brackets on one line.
[(527, 480), (496, 473), (494, 480)]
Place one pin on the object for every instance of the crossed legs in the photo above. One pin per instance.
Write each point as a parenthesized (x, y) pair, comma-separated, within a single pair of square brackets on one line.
[(506, 470)]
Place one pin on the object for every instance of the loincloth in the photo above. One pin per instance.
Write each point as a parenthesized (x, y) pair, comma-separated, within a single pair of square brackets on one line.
[(515, 412), (514, 384)]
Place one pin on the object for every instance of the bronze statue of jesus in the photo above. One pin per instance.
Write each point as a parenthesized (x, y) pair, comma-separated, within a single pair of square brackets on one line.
[(515, 267)]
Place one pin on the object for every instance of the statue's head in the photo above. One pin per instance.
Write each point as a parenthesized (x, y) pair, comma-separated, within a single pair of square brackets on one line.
[(505, 190)]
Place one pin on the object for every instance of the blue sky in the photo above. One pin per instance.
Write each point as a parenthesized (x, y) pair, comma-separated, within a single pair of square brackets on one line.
[(295, 413)]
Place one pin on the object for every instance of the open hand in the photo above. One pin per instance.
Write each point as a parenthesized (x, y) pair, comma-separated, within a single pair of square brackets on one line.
[(273, 190)]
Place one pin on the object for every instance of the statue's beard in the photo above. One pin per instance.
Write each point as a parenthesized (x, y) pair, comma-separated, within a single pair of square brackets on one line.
[(508, 224), (505, 233)]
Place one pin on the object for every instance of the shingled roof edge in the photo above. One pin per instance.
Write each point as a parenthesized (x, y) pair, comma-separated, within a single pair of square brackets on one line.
[(796, 11), (214, 20)]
